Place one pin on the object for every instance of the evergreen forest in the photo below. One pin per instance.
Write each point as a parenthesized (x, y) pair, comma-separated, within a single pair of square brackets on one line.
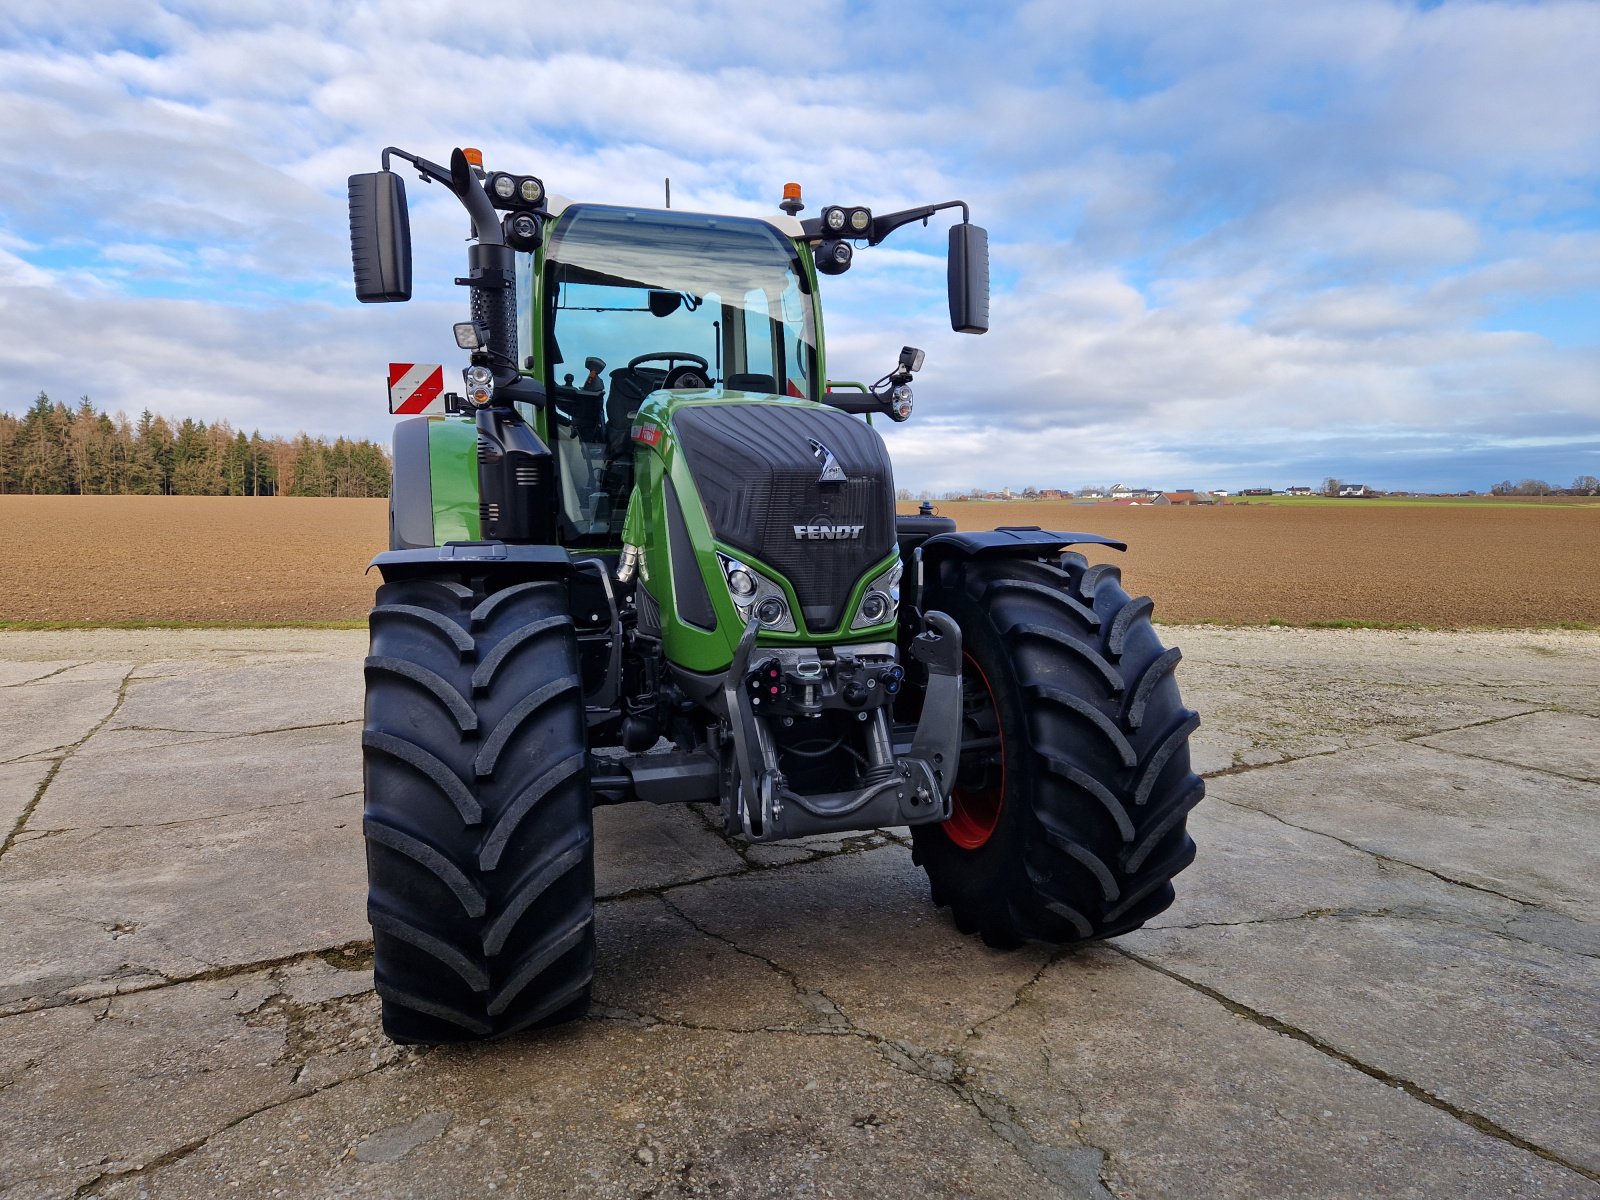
[(78, 450)]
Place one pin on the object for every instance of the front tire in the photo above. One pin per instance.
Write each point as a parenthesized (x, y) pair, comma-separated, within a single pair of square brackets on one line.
[(1074, 785), (478, 825)]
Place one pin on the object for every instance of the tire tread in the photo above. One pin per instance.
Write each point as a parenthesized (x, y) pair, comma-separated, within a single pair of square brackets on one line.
[(479, 830), (1099, 737)]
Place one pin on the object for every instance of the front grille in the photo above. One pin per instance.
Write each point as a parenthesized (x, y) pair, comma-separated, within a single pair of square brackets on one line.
[(758, 478)]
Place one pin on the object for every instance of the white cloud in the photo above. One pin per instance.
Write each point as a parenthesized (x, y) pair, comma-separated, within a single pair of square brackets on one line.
[(1214, 225)]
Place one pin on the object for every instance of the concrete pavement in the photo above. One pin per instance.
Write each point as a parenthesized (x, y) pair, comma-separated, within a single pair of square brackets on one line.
[(1380, 978)]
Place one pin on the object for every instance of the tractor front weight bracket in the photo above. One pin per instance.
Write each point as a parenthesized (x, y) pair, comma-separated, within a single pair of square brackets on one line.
[(908, 788)]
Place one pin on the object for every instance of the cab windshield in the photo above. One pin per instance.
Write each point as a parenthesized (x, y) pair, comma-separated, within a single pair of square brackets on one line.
[(637, 300)]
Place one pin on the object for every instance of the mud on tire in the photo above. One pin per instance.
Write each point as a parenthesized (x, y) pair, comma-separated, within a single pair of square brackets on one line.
[(478, 826), (1075, 783)]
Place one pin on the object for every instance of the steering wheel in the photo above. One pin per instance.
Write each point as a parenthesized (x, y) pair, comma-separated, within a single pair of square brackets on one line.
[(686, 376)]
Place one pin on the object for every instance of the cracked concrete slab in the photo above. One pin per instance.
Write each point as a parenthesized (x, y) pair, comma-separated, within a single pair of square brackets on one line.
[(1188, 1099), (690, 1112), (1290, 693), (650, 959), (1525, 835), (181, 1062), (1493, 1029), (1564, 743), (1336, 1005), (860, 927), (156, 784), (645, 846), (43, 718), (14, 673), (1253, 867), (251, 698), (19, 784), (94, 911)]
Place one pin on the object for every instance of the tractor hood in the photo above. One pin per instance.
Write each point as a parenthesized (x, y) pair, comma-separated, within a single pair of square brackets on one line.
[(805, 489)]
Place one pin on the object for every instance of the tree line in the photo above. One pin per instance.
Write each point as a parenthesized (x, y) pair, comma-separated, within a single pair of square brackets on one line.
[(54, 449), (1583, 485)]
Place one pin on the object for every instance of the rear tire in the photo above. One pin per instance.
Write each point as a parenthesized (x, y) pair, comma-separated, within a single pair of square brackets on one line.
[(1070, 810), (478, 825)]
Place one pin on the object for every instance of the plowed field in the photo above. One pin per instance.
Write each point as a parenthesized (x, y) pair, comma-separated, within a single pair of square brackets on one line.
[(181, 559)]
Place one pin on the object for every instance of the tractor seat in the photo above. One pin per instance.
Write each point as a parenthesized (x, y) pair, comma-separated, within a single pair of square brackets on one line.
[(746, 382), (629, 387)]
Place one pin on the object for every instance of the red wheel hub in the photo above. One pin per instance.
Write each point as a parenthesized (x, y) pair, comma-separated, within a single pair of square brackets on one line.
[(976, 804)]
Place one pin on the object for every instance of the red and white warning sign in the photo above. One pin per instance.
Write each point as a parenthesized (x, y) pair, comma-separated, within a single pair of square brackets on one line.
[(416, 389)]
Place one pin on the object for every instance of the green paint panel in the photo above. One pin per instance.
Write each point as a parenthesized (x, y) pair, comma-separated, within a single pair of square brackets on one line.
[(453, 464)]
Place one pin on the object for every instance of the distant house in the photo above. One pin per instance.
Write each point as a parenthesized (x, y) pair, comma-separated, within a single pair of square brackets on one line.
[(1219, 492), (1182, 498), (1299, 491), (1354, 489), (1125, 502), (1255, 491), (1121, 491)]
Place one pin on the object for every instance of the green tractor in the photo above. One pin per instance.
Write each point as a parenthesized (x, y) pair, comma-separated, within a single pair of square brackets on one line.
[(650, 554)]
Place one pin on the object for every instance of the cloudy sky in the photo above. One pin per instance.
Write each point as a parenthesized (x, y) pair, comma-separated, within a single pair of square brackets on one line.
[(1234, 242)]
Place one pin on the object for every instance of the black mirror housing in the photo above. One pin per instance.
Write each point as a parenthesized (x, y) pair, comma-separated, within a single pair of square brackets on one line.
[(969, 278), (380, 237)]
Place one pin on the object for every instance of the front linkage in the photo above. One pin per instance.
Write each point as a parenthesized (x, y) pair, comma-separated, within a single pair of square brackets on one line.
[(860, 683)]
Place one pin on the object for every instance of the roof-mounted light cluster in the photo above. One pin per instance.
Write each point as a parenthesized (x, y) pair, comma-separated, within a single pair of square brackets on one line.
[(840, 221), (839, 225), (515, 191)]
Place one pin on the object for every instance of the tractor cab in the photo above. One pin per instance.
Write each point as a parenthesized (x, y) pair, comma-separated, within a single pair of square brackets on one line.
[(632, 301)]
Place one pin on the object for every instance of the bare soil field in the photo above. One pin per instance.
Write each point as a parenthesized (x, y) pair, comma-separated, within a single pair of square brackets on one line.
[(188, 558), (126, 559)]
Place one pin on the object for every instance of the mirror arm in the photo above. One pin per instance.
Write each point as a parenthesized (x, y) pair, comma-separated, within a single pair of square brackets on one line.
[(429, 171), (887, 223)]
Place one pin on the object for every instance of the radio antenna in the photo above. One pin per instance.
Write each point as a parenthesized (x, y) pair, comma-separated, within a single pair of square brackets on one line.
[(668, 182)]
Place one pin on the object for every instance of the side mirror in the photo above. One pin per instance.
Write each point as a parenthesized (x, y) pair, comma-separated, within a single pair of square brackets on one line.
[(380, 237), (969, 278)]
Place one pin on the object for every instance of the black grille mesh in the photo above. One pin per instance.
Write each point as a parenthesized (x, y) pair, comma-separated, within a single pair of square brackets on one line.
[(758, 478)]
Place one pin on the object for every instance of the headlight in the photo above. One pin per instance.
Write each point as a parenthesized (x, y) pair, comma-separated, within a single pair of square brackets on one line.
[(505, 186), (900, 402), (860, 221), (480, 384), (881, 602), (754, 595), (834, 219), (532, 190)]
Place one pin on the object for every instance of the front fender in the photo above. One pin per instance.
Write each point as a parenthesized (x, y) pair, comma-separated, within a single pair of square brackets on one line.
[(1011, 541)]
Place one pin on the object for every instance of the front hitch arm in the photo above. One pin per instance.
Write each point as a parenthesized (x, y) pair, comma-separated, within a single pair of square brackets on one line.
[(937, 742)]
